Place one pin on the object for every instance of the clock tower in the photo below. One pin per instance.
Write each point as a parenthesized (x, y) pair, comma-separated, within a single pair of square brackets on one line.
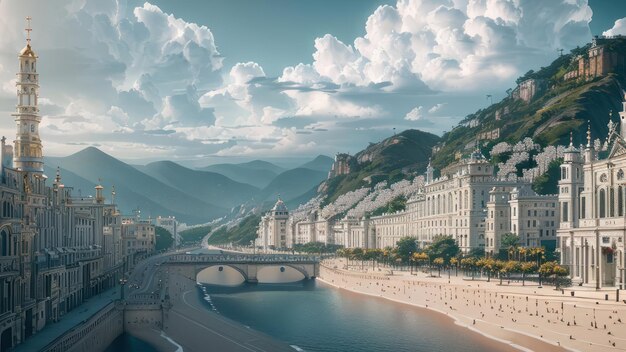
[(28, 154)]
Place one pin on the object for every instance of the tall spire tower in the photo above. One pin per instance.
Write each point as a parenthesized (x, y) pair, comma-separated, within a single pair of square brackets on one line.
[(28, 155)]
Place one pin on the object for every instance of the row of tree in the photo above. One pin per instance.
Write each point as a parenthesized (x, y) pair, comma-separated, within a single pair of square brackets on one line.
[(444, 253), (317, 248)]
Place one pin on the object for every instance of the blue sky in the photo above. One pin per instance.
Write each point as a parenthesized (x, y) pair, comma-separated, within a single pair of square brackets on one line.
[(242, 25), (212, 81)]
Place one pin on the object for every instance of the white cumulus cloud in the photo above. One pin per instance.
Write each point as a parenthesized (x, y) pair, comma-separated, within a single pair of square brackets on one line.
[(619, 28), (415, 114)]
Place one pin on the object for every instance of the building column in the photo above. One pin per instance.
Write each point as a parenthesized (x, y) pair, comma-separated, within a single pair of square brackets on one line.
[(572, 249), (598, 261), (585, 247)]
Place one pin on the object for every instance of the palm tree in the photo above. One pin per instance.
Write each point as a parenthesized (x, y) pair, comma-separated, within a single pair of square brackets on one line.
[(470, 264), (527, 268), (455, 262), (439, 263)]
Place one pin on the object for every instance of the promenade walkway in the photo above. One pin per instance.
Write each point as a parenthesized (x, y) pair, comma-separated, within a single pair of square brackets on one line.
[(70, 320)]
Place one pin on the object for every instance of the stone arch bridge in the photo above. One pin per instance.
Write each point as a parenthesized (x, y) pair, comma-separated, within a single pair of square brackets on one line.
[(234, 268)]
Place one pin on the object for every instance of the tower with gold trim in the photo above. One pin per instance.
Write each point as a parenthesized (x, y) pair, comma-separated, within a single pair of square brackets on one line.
[(28, 154)]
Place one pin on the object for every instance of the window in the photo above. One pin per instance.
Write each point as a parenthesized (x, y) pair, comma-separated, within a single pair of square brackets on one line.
[(611, 202), (602, 203), (565, 212), (620, 200)]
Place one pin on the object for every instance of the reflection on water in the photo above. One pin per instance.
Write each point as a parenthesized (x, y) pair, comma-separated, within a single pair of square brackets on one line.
[(317, 317)]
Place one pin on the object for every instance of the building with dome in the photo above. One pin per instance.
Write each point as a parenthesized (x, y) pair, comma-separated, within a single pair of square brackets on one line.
[(592, 229), (274, 230)]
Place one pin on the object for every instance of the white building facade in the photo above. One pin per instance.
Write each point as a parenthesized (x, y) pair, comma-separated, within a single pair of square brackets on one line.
[(468, 203), (274, 230), (592, 229)]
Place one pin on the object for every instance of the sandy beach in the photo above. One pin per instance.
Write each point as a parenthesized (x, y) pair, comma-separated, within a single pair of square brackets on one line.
[(525, 317)]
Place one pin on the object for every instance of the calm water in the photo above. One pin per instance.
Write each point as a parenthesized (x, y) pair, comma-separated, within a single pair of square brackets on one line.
[(317, 317)]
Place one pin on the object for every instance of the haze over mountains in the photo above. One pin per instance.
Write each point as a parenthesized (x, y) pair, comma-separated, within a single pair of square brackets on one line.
[(193, 196)]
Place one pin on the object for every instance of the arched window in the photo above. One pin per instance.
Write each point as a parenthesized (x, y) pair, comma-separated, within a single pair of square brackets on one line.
[(4, 243), (611, 202), (602, 203), (438, 204), (620, 174), (620, 201)]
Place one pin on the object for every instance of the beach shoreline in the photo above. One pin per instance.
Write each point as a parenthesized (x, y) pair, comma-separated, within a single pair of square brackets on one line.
[(523, 317), (454, 319)]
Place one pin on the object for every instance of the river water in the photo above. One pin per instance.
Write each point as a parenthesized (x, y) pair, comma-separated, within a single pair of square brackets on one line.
[(317, 317)]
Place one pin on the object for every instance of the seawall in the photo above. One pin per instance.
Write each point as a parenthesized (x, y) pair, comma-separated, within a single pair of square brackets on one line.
[(94, 334)]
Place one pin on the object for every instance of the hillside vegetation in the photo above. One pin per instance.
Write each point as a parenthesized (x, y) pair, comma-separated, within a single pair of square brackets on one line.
[(523, 135), (164, 238), (391, 160), (241, 234), (194, 234), (563, 106)]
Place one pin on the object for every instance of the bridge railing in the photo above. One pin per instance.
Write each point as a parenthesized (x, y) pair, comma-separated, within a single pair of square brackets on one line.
[(221, 258)]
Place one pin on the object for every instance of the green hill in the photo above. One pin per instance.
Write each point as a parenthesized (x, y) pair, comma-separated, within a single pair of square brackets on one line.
[(392, 159), (194, 234), (243, 233), (559, 107)]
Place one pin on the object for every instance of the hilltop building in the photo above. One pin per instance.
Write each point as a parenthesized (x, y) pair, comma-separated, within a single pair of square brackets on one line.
[(56, 249), (341, 165), (591, 197), (605, 55), (528, 89)]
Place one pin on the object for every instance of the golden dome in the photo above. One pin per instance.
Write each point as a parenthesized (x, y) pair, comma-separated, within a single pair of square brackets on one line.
[(28, 51)]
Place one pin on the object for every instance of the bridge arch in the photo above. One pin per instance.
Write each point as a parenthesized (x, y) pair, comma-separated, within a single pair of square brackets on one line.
[(222, 274), (280, 273)]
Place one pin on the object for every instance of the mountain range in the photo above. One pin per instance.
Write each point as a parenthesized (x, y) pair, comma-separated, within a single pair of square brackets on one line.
[(546, 105), (193, 196)]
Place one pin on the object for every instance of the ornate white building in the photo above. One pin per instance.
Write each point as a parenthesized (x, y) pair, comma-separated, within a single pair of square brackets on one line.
[(592, 229), (468, 202), (274, 230)]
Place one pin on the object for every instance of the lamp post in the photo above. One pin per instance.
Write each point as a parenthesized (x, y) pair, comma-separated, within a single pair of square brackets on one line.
[(123, 282)]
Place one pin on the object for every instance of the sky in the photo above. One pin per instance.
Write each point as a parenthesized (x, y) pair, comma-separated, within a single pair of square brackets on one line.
[(209, 81)]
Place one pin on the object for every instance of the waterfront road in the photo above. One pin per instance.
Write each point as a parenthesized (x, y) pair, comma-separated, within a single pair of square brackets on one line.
[(189, 322)]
